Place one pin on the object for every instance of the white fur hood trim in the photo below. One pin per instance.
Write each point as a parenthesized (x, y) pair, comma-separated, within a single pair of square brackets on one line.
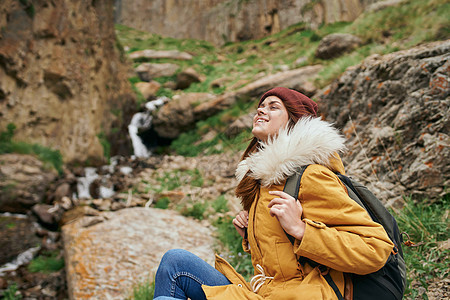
[(311, 141)]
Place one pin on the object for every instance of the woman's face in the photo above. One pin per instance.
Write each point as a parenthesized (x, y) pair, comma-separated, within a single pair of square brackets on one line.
[(271, 115)]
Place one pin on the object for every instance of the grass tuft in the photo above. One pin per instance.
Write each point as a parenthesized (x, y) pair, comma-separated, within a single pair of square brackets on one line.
[(428, 226), (143, 291), (46, 263), (51, 158)]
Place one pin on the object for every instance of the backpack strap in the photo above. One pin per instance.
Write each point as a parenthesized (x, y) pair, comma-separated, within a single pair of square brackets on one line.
[(292, 187)]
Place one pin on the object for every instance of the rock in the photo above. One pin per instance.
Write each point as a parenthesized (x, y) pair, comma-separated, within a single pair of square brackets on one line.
[(219, 82), (382, 5), (62, 78), (48, 215), (242, 123), (63, 190), (188, 77), (148, 71), (148, 89), (223, 21), (393, 109), (156, 54), (336, 44), (78, 213), (172, 85), (294, 79), (177, 116), (107, 259), (23, 182)]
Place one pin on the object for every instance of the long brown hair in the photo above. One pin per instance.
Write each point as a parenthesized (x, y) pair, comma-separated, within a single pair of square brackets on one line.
[(248, 188)]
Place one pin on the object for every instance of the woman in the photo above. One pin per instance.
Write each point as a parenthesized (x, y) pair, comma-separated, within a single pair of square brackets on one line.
[(329, 228)]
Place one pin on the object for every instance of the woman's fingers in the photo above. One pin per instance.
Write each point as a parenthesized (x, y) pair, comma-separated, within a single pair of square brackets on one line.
[(241, 219)]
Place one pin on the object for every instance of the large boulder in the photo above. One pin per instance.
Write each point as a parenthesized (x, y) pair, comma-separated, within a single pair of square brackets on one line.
[(108, 254), (24, 181), (148, 71), (188, 77), (336, 44), (63, 78), (177, 115), (157, 54), (393, 109), (148, 89)]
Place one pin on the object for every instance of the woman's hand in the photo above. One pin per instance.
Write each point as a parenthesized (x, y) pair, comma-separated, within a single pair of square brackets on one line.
[(288, 212), (241, 222)]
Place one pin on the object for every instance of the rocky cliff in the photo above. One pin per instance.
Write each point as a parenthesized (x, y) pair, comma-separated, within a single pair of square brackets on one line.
[(394, 111), (221, 21), (63, 81)]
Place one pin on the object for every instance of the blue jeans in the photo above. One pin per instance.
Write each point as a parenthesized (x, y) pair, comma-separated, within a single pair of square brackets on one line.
[(181, 274)]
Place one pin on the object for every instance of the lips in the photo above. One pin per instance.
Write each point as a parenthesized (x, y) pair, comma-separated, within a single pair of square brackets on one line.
[(261, 120)]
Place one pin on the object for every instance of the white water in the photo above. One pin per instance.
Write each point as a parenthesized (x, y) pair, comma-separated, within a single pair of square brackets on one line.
[(84, 183), (143, 120), (22, 259), (90, 174)]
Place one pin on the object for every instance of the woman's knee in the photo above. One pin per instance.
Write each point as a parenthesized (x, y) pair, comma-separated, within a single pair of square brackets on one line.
[(175, 258), (174, 255)]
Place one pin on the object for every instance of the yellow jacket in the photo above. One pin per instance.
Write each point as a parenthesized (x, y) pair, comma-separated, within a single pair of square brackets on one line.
[(339, 233)]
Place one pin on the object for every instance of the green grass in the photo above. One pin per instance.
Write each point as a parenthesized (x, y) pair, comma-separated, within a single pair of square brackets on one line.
[(11, 293), (143, 291), (46, 262), (105, 144), (428, 226), (195, 210), (50, 158), (169, 181)]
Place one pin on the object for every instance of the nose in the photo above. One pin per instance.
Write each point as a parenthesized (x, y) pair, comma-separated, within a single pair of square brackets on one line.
[(260, 111)]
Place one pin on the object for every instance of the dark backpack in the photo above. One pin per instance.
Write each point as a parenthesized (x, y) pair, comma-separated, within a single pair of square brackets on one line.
[(387, 283)]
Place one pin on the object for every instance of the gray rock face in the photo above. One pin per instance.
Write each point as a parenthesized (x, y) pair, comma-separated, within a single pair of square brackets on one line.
[(336, 44), (24, 181), (109, 255), (394, 111)]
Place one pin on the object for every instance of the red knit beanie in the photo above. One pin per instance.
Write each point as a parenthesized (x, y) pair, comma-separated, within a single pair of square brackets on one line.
[(302, 104)]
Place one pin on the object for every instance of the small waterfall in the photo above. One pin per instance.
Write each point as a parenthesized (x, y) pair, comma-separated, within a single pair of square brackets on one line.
[(143, 120)]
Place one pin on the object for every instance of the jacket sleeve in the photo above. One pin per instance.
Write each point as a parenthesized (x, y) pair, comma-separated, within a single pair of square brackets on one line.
[(339, 233)]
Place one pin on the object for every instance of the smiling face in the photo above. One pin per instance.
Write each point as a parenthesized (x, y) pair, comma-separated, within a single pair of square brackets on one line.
[(271, 115)]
